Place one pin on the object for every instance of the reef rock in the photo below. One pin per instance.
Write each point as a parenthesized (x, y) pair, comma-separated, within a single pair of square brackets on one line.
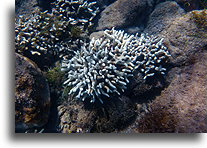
[(163, 16), (124, 13), (186, 36), (25, 7), (32, 96), (77, 117), (182, 107), (190, 5)]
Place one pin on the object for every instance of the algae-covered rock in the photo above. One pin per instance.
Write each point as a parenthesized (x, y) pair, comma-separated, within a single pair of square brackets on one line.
[(32, 96), (182, 107), (190, 5), (186, 36), (74, 118), (77, 117)]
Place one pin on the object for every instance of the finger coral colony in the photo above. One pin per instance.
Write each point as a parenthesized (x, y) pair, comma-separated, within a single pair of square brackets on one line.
[(99, 68), (123, 66), (104, 65), (44, 32)]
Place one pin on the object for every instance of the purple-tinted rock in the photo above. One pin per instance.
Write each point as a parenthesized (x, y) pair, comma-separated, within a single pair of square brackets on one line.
[(32, 96), (182, 107), (186, 36)]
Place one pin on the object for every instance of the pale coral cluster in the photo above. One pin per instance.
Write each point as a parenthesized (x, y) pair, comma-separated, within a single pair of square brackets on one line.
[(103, 66), (43, 32)]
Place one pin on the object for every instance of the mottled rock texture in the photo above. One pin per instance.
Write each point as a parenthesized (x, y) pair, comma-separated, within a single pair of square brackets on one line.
[(163, 16), (25, 7), (190, 5), (32, 96), (124, 13), (76, 117), (186, 36), (182, 107)]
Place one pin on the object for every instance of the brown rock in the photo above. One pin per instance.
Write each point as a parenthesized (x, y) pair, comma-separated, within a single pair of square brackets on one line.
[(32, 96), (186, 36), (77, 117), (115, 116), (190, 5), (182, 107)]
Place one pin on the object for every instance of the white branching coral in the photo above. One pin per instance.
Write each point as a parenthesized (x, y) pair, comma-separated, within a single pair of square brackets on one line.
[(103, 66), (39, 33), (43, 31), (78, 12)]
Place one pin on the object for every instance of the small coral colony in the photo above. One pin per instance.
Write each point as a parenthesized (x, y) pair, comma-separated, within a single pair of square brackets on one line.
[(97, 68)]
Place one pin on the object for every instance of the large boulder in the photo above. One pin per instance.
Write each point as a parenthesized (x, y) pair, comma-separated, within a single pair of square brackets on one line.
[(186, 36), (163, 16), (124, 13), (182, 107), (32, 96)]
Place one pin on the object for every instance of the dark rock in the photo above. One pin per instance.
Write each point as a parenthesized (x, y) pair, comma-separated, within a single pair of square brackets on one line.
[(124, 13), (76, 117), (32, 96), (190, 5), (184, 34), (163, 16), (182, 107), (25, 7), (104, 3), (115, 116)]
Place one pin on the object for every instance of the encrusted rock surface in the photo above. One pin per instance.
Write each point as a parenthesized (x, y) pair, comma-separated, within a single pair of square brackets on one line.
[(163, 16), (76, 117), (32, 96), (25, 7), (123, 13), (182, 107), (190, 5), (186, 36)]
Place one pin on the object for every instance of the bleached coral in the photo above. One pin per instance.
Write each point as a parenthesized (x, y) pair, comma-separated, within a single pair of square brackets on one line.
[(39, 33), (103, 66), (78, 12), (43, 32)]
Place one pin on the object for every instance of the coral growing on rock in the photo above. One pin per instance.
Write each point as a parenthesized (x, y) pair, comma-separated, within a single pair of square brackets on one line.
[(43, 32), (104, 66), (40, 33), (78, 12)]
